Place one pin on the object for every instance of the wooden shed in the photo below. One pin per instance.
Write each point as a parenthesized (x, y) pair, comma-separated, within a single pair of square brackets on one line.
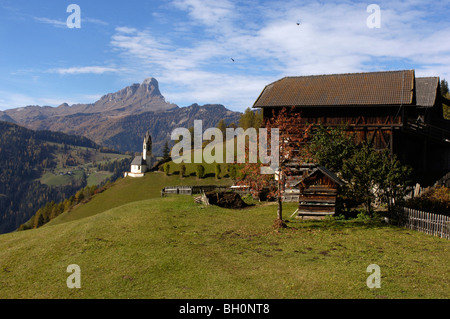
[(318, 192)]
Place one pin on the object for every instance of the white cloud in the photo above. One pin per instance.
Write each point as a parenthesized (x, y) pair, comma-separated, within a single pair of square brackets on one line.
[(210, 12), (63, 24), (55, 23), (267, 44), (85, 70), (126, 30), (94, 21), (234, 91)]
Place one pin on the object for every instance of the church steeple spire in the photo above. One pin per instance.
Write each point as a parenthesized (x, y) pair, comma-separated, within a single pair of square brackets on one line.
[(147, 147)]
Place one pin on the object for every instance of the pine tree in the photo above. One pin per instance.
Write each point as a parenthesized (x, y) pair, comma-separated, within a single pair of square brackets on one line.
[(247, 119), (444, 87), (39, 219), (166, 152), (222, 126), (251, 119), (182, 170)]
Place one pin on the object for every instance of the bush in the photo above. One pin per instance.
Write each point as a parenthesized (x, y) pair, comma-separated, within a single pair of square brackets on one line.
[(200, 171), (363, 215), (436, 200), (218, 171), (232, 171), (167, 168), (182, 170)]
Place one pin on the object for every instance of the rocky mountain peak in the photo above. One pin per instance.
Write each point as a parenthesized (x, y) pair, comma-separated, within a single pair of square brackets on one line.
[(150, 81), (136, 98), (151, 86)]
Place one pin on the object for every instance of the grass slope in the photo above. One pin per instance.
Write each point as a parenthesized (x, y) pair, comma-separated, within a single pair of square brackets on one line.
[(130, 189), (131, 243), (173, 248), (127, 190)]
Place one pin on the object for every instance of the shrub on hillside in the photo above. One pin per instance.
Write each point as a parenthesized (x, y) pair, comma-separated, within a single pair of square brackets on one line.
[(167, 168), (436, 200), (232, 171), (217, 171), (182, 170), (200, 171)]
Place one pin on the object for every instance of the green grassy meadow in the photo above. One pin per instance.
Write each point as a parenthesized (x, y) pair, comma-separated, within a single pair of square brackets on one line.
[(131, 243), (127, 190), (85, 158), (98, 177)]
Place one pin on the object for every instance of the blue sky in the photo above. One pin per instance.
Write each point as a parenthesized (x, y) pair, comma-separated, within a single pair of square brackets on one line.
[(188, 46)]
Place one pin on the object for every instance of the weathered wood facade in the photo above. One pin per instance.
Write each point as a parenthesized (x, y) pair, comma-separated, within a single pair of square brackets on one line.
[(318, 193), (393, 110)]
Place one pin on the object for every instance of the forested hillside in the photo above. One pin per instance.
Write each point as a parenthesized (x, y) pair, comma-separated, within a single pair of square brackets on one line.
[(25, 155)]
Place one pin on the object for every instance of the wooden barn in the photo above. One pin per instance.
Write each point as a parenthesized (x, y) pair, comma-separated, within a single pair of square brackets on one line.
[(318, 192), (392, 109)]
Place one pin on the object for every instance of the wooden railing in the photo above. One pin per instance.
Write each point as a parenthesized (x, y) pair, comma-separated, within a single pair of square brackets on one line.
[(428, 130)]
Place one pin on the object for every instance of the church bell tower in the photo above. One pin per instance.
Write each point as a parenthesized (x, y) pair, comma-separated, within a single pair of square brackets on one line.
[(147, 147)]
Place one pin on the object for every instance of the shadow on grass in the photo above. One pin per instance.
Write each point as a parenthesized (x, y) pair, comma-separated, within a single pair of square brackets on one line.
[(194, 174), (337, 224)]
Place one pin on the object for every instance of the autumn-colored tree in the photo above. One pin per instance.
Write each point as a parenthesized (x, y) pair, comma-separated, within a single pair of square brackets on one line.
[(293, 134), (435, 199)]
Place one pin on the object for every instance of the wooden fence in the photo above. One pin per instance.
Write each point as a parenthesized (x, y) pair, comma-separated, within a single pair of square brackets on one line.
[(433, 224), (190, 190)]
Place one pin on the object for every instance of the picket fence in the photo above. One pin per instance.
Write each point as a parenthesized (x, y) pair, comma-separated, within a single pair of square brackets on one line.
[(433, 224)]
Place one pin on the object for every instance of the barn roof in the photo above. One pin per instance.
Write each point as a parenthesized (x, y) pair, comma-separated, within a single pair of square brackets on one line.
[(426, 91), (357, 89)]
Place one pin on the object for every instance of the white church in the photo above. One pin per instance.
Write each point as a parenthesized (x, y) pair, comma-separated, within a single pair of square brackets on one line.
[(142, 164)]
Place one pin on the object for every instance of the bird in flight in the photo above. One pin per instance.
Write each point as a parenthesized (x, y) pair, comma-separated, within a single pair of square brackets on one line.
[(232, 59)]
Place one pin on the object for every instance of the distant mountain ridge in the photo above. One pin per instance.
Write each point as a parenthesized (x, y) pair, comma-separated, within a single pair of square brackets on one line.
[(121, 119)]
